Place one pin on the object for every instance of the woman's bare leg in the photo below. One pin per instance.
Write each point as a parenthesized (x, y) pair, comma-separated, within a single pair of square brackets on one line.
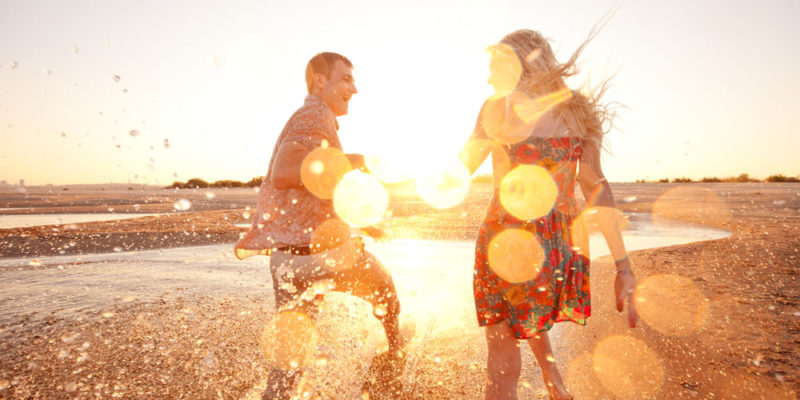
[(503, 362), (540, 344)]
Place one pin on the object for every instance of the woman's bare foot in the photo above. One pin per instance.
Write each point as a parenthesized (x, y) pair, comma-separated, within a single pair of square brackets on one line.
[(558, 393), (556, 387)]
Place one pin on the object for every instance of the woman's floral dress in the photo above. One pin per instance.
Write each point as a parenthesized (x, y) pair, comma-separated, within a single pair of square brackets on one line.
[(560, 292)]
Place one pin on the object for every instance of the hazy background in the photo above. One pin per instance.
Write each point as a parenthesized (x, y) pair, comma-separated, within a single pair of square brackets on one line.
[(711, 87)]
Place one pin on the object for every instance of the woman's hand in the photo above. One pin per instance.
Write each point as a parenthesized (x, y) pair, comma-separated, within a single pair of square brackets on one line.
[(625, 288)]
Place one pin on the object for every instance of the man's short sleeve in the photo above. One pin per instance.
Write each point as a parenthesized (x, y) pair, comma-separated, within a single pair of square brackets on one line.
[(312, 128)]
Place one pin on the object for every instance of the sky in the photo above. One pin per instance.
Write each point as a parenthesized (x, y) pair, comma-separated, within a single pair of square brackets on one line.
[(153, 92)]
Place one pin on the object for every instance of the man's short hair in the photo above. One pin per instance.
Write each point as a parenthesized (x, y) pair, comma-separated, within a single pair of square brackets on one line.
[(322, 63)]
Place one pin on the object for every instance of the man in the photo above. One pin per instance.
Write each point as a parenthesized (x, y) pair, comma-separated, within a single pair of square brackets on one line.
[(293, 220)]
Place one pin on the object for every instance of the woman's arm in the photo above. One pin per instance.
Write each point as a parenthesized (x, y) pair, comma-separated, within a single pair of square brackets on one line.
[(598, 195), (477, 147)]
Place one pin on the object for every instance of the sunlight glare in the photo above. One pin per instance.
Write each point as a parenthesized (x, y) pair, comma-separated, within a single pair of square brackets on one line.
[(693, 205), (590, 221), (582, 381), (627, 367), (505, 69), (672, 305), (528, 192), (359, 199), (516, 255), (329, 234), (530, 109), (387, 169), (322, 169), (444, 187)]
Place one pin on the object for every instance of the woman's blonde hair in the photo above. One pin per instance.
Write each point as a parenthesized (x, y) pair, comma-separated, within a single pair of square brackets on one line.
[(542, 74)]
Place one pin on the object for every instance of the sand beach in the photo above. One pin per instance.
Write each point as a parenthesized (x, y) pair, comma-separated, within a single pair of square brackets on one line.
[(66, 332)]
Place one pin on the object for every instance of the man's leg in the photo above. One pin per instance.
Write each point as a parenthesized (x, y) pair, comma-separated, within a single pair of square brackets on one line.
[(371, 281), (288, 283)]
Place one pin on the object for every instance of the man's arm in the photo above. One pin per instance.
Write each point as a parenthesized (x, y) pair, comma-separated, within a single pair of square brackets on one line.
[(357, 161), (286, 166)]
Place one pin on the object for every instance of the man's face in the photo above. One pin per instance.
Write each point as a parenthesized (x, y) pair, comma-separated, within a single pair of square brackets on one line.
[(339, 87)]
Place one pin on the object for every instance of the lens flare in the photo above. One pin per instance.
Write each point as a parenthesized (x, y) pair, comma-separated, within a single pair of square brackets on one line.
[(444, 187), (693, 205), (329, 234), (627, 368), (672, 305), (528, 192), (386, 169), (516, 255), (359, 199), (289, 341), (322, 169), (505, 69), (582, 381), (530, 109), (590, 221), (497, 120)]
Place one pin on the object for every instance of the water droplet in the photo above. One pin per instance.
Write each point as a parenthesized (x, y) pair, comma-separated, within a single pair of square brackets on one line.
[(136, 207), (116, 78), (246, 215), (182, 205), (117, 249), (323, 360), (550, 358), (437, 360), (133, 133), (629, 199), (210, 195), (379, 310), (111, 209), (35, 263), (779, 202)]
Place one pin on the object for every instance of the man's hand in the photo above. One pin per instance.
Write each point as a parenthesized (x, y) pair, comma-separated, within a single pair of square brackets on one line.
[(357, 161), (375, 233)]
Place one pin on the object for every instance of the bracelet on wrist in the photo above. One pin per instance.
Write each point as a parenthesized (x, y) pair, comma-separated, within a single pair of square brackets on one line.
[(627, 271)]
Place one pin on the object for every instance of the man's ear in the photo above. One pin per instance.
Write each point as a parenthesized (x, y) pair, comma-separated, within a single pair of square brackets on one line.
[(318, 82)]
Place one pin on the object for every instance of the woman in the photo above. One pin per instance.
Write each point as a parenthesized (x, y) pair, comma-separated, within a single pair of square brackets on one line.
[(532, 262)]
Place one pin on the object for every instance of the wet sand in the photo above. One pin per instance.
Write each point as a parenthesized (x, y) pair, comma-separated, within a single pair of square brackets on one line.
[(195, 344)]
